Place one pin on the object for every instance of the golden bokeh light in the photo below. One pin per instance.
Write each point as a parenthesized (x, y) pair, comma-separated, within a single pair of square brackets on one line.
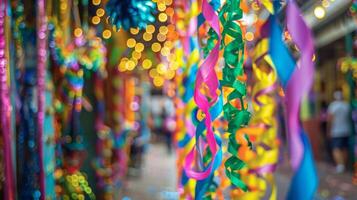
[(134, 31), (168, 2), (161, 69), (163, 30), (147, 64), (153, 73), (107, 34), (136, 55), (96, 2), (131, 43), (165, 51), (161, 7), (158, 81), (78, 32), (249, 36), (147, 36), (139, 47), (95, 20), (100, 12), (161, 37), (130, 65), (162, 17), (150, 28), (156, 47)]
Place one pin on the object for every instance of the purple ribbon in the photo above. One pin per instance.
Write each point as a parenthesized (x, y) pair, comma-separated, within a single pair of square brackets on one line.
[(300, 81)]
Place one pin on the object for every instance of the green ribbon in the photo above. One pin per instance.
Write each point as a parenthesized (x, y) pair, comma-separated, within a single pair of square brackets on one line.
[(234, 56)]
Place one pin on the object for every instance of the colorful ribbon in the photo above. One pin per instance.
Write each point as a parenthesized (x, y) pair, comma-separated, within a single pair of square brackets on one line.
[(261, 162), (296, 83), (5, 107), (207, 99), (234, 88), (41, 87)]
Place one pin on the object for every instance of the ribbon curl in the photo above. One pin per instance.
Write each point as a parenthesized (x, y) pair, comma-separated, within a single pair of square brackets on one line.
[(235, 112), (209, 104)]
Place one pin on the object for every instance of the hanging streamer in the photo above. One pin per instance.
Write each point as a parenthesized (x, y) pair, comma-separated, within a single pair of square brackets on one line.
[(296, 82), (5, 107), (234, 88), (208, 101), (262, 161), (41, 87)]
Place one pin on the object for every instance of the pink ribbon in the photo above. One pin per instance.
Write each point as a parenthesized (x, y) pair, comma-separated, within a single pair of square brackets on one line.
[(207, 75), (5, 111)]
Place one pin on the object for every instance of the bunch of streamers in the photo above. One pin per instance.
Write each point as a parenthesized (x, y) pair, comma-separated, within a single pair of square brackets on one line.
[(206, 155), (5, 106), (296, 79), (234, 89), (187, 58), (130, 13), (262, 131)]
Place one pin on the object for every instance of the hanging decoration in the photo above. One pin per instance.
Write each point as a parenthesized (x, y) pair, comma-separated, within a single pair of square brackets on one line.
[(235, 109), (41, 87), (262, 161), (207, 149), (5, 106), (290, 77), (130, 13)]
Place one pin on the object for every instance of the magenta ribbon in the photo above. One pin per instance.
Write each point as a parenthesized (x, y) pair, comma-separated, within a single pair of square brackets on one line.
[(5, 109), (41, 87), (301, 80), (206, 75)]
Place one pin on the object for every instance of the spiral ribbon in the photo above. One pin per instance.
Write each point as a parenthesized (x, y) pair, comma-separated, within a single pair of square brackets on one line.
[(296, 82), (234, 89), (206, 77)]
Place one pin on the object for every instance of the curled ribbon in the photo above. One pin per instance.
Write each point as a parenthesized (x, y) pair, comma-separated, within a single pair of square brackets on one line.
[(296, 83), (234, 89), (209, 104)]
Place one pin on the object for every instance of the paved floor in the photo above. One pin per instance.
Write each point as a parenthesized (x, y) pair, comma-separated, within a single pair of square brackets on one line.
[(157, 179), (158, 182)]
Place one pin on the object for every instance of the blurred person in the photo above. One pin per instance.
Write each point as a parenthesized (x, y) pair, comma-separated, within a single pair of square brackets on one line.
[(339, 120)]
